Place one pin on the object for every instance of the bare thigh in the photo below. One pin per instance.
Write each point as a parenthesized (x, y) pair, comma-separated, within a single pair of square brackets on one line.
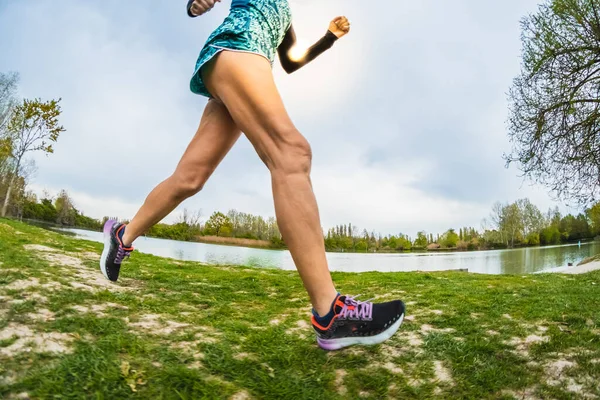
[(244, 83), (216, 135)]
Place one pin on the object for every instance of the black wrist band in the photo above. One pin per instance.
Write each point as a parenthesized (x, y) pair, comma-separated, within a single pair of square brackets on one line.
[(189, 9), (331, 36)]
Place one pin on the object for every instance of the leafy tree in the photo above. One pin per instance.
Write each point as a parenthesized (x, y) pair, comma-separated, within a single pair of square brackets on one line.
[(421, 240), (404, 243), (225, 231), (580, 228), (473, 244), (449, 239), (533, 239), (392, 242), (533, 219), (555, 109), (593, 214), (512, 222), (33, 126), (217, 224), (87, 223), (550, 235), (250, 226), (43, 211), (361, 246), (65, 209)]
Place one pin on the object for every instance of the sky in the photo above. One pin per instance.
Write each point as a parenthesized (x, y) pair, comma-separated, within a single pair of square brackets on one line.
[(406, 115)]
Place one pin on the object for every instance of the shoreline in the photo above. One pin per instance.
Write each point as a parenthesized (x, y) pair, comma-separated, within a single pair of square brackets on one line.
[(587, 265), (583, 268), (267, 245)]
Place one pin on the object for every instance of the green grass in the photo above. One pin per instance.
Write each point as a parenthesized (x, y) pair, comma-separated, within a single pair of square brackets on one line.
[(183, 330)]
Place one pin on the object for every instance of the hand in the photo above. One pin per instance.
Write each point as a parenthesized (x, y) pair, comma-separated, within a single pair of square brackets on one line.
[(199, 7), (340, 26)]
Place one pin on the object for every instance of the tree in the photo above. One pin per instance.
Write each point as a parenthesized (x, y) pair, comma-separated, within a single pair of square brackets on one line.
[(65, 209), (218, 223), (554, 121), (512, 222), (553, 216), (273, 230), (421, 240), (403, 243), (19, 193), (190, 219), (33, 126), (507, 222), (593, 214), (449, 239), (496, 218), (533, 219), (392, 242), (533, 239), (574, 228), (550, 235), (8, 89)]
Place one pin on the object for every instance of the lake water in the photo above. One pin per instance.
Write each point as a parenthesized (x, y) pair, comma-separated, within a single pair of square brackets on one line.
[(516, 261)]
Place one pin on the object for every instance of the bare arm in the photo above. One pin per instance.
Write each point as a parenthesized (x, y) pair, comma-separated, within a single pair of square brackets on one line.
[(291, 65)]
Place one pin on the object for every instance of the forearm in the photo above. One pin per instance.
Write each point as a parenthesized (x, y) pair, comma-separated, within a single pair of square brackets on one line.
[(290, 64)]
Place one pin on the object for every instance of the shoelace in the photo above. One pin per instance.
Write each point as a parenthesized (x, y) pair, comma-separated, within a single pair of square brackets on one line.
[(357, 310), (121, 254)]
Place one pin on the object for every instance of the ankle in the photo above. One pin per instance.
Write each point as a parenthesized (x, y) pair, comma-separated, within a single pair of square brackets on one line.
[(126, 239), (325, 304)]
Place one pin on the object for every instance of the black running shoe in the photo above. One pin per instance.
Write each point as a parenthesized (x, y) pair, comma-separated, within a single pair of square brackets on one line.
[(114, 252), (357, 322)]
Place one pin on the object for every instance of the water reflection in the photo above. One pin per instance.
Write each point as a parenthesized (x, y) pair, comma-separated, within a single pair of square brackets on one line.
[(516, 261)]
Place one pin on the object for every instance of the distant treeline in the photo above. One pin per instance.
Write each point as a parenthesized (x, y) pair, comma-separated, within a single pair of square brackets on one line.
[(509, 225)]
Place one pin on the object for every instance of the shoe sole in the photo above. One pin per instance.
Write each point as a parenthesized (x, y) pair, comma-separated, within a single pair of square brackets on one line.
[(107, 242), (336, 344)]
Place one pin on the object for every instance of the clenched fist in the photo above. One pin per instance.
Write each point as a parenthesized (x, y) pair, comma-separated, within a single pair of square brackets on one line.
[(199, 7), (340, 26)]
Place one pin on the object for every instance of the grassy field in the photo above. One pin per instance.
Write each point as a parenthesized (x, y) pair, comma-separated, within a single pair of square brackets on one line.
[(183, 330)]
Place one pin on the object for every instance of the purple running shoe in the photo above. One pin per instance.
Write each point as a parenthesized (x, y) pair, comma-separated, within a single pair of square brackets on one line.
[(356, 322), (114, 251)]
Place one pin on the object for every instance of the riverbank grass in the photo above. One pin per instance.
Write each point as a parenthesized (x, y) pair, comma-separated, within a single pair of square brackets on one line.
[(182, 330)]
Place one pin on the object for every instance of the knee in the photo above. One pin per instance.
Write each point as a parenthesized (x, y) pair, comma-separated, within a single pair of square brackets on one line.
[(293, 155), (187, 184)]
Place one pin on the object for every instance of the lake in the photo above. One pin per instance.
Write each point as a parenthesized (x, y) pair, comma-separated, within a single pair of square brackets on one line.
[(514, 261)]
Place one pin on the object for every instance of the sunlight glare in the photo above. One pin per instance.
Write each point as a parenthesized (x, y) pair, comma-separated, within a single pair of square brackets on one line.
[(299, 50)]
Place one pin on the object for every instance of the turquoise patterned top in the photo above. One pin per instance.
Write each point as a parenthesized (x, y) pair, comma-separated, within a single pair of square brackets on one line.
[(255, 26)]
